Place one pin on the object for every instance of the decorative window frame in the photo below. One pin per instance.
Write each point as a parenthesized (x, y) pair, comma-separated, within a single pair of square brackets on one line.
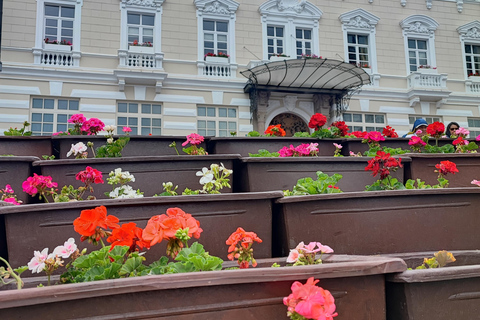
[(153, 7), (421, 27), (39, 48), (302, 14), (469, 34), (361, 22), (219, 10)]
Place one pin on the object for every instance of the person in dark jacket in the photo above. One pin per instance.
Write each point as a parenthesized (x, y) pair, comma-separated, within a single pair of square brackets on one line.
[(419, 124), (451, 128)]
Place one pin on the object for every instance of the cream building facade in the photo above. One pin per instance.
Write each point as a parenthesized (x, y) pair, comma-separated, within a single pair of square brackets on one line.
[(169, 87)]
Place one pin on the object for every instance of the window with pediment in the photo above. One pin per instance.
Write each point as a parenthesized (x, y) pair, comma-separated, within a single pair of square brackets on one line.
[(470, 41)]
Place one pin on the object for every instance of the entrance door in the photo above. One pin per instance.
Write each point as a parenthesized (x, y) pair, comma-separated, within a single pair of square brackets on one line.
[(291, 123)]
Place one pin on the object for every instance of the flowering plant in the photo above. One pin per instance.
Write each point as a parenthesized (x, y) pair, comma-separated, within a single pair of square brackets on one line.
[(416, 143), (142, 44), (383, 164), (474, 74), (308, 301), (62, 42), (426, 66), (338, 150), (240, 247), (311, 56), (342, 128), (113, 148), (436, 130), (280, 55), (18, 132), (317, 121), (323, 184), (303, 150), (82, 126), (463, 146), (275, 131), (443, 168), (389, 132), (306, 254), (8, 195), (43, 185), (219, 54), (439, 260), (373, 139), (194, 139), (124, 191)]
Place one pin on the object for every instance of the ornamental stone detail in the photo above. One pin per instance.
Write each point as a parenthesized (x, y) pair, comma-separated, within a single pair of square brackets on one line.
[(295, 5), (473, 33), (418, 27), (144, 3), (359, 22), (217, 8)]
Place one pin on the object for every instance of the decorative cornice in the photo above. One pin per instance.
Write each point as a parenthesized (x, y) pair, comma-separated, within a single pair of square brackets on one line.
[(295, 5), (358, 22), (290, 8), (144, 3), (417, 27), (419, 24), (217, 7), (470, 31), (358, 19), (459, 6)]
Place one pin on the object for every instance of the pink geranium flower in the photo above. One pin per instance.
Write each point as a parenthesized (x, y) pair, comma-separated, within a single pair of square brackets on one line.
[(12, 200), (66, 250), (476, 182), (37, 264), (38, 184), (193, 139), (293, 256), (77, 119), (127, 129), (416, 141), (90, 175)]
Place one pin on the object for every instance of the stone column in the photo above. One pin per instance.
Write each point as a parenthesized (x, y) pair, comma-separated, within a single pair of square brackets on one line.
[(262, 104), (322, 103)]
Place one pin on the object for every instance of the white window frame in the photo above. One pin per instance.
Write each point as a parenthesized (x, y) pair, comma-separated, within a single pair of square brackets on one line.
[(469, 34), (217, 119), (365, 124), (40, 29), (218, 10), (55, 112), (419, 27), (474, 131), (303, 15), (275, 39), (216, 35), (361, 22), (138, 115)]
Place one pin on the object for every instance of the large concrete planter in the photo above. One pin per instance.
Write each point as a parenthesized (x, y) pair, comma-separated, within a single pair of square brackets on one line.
[(246, 145), (138, 145), (25, 146), (381, 222), (15, 170), (149, 171), (355, 144), (357, 283), (49, 225), (265, 174), (423, 167), (450, 292)]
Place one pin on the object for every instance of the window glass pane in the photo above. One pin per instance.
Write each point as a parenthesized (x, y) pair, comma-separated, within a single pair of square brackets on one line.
[(210, 133), (132, 121), (279, 32), (347, 117), (47, 117), (147, 32), (68, 12), (37, 103), (222, 38), (146, 108), (133, 108), (369, 118), (121, 121), (363, 40), (201, 124), (122, 107), (210, 112), (368, 129), (48, 127), (146, 121), (148, 20), (422, 44), (352, 38), (201, 111), (145, 131), (52, 10), (156, 131), (232, 113), (468, 48), (357, 117), (67, 24), (355, 128), (211, 124), (202, 132), (156, 122), (62, 118), (73, 105), (61, 127), (307, 34), (134, 130), (476, 49), (299, 34), (412, 44), (222, 112), (232, 126), (48, 103), (36, 127), (379, 119), (222, 46), (63, 104), (270, 31), (133, 18), (209, 37), (208, 25), (51, 23), (156, 109), (222, 125), (67, 33), (38, 117), (222, 26)]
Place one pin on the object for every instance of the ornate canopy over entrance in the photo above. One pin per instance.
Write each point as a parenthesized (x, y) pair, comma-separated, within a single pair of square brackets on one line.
[(334, 80)]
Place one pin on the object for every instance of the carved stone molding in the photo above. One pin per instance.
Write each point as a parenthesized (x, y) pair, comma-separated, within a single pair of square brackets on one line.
[(290, 102), (359, 22), (217, 7), (459, 6), (144, 3), (295, 5), (419, 24), (403, 3), (470, 31), (429, 4)]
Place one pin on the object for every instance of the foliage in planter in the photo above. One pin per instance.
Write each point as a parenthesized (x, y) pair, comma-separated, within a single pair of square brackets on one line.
[(324, 184), (8, 195), (18, 132), (302, 150), (271, 131), (443, 168), (194, 139), (264, 153), (439, 260), (336, 130), (254, 134)]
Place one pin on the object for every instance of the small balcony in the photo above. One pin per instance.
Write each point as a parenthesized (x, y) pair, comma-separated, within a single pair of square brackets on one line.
[(140, 57), (427, 78)]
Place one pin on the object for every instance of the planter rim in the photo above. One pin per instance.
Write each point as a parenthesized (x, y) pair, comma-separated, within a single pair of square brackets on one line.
[(347, 266), (384, 193), (19, 158), (313, 159), (146, 200), (122, 135), (438, 274), (214, 157), (399, 138), (24, 137), (442, 155), (270, 139)]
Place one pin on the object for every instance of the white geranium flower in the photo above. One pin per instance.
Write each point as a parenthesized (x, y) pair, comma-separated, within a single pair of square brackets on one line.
[(110, 140), (206, 176), (125, 192), (77, 148), (109, 128), (66, 250), (37, 264)]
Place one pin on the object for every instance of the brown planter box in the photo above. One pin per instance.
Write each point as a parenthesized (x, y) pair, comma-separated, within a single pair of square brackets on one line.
[(355, 144), (246, 145), (265, 174), (357, 283), (450, 292), (137, 146), (50, 225), (25, 146), (149, 171), (381, 222), (423, 167), (15, 170)]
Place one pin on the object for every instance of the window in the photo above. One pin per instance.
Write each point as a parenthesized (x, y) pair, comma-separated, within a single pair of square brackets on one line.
[(419, 41), (358, 50), (275, 40), (216, 121), (429, 119), (142, 118), (474, 127), (59, 23), (215, 36), (303, 42), (364, 122), (359, 38), (472, 59), (290, 28), (140, 28), (417, 54), (51, 115)]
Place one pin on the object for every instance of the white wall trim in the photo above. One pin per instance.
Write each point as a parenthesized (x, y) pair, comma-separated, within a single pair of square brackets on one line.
[(140, 92), (14, 104), (457, 113), (179, 98), (56, 88), (469, 33), (76, 93), (20, 118), (244, 115), (179, 125), (20, 90), (179, 112), (396, 110), (103, 108), (398, 122), (217, 97), (245, 128), (240, 102)]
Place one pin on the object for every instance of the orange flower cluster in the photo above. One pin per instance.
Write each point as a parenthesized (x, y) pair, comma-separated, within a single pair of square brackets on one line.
[(165, 226), (91, 224), (275, 131), (128, 235), (244, 252)]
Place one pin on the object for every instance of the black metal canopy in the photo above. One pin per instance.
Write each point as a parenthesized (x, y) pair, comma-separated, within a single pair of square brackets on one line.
[(306, 76)]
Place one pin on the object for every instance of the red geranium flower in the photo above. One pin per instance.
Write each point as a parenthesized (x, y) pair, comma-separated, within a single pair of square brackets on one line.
[(275, 131), (90, 175), (128, 235), (382, 163), (244, 253), (91, 223), (342, 127), (445, 167), (359, 134), (317, 121), (389, 132), (436, 129)]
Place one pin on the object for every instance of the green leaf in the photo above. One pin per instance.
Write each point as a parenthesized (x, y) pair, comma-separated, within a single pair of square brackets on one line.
[(131, 265), (118, 252)]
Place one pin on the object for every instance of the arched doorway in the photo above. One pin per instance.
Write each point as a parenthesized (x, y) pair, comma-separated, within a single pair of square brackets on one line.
[(291, 123)]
